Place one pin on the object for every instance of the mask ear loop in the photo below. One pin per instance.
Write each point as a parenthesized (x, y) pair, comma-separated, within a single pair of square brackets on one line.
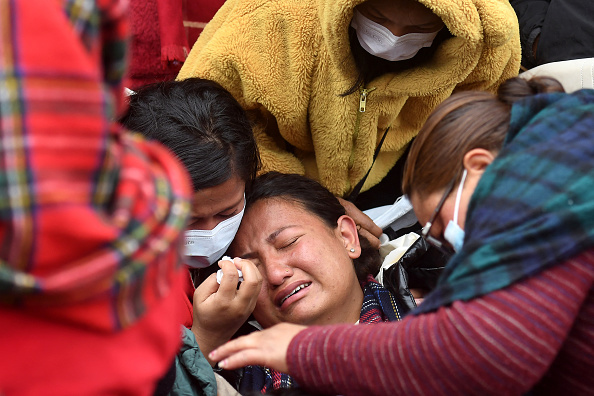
[(459, 196)]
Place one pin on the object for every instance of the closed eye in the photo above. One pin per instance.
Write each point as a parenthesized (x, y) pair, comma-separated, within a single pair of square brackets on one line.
[(226, 216), (194, 221), (290, 242)]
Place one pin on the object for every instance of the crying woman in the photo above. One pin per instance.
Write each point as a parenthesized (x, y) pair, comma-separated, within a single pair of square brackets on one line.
[(316, 268)]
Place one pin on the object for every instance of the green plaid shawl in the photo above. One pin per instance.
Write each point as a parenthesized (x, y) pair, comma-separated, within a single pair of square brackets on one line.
[(534, 205)]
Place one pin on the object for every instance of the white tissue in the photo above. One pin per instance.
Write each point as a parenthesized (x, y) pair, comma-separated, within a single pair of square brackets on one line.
[(220, 272)]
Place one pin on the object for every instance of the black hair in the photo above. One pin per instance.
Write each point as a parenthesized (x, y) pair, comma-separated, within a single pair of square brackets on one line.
[(317, 200), (371, 66), (202, 124)]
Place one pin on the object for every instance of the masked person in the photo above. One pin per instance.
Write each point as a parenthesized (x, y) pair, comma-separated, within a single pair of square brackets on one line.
[(328, 83), (507, 182), (207, 130), (204, 126), (91, 217)]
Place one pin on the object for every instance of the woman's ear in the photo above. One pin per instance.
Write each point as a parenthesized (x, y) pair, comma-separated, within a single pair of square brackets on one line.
[(347, 230), (476, 160)]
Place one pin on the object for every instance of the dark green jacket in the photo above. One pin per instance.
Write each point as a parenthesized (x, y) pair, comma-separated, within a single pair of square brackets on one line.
[(193, 374)]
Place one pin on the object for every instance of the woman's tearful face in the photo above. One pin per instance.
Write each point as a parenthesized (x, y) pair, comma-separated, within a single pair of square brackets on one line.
[(307, 270)]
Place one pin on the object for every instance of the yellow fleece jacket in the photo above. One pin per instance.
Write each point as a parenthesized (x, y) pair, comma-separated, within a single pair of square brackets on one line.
[(288, 61)]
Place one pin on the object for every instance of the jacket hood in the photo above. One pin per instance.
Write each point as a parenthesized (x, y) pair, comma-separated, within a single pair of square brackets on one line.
[(473, 23)]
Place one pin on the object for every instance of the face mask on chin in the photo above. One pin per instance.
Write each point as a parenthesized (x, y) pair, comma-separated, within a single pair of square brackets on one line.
[(204, 247), (379, 41), (453, 233)]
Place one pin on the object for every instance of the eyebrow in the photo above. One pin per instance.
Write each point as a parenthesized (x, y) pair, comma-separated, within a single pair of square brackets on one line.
[(272, 237)]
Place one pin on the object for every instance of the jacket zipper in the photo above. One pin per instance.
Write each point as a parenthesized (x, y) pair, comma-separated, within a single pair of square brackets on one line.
[(362, 108), (363, 99)]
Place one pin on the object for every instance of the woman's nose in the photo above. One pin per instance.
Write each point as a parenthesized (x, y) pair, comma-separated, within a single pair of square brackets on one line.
[(277, 271), (397, 30)]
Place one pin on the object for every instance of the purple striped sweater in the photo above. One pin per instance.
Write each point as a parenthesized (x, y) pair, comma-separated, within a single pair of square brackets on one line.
[(536, 334)]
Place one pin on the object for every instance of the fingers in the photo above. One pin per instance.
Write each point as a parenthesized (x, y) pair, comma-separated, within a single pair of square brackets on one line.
[(252, 283), (239, 301), (365, 225), (375, 242), (249, 270), (206, 289), (238, 353), (252, 279), (266, 348), (225, 290), (230, 278)]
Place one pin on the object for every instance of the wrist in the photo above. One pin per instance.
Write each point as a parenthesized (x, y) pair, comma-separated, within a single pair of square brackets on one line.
[(208, 341)]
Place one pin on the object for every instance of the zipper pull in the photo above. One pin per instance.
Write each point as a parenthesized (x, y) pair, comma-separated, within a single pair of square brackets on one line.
[(363, 100)]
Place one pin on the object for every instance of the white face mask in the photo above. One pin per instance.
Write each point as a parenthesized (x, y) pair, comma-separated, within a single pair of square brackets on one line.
[(379, 41), (453, 233), (205, 246)]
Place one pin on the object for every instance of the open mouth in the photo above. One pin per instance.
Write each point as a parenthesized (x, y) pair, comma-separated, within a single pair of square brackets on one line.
[(295, 291)]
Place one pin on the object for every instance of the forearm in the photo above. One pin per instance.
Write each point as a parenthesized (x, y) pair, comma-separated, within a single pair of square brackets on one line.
[(498, 344)]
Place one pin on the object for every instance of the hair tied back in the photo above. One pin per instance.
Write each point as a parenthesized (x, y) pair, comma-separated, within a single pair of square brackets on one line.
[(518, 88)]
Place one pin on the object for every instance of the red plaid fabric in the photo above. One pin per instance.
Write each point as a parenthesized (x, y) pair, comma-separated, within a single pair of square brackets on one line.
[(88, 213), (90, 216)]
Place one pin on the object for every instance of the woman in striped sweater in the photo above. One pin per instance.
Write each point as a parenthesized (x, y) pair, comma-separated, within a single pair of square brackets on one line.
[(506, 181)]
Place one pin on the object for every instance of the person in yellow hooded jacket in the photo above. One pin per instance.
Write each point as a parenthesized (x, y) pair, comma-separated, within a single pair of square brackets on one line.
[(325, 80)]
